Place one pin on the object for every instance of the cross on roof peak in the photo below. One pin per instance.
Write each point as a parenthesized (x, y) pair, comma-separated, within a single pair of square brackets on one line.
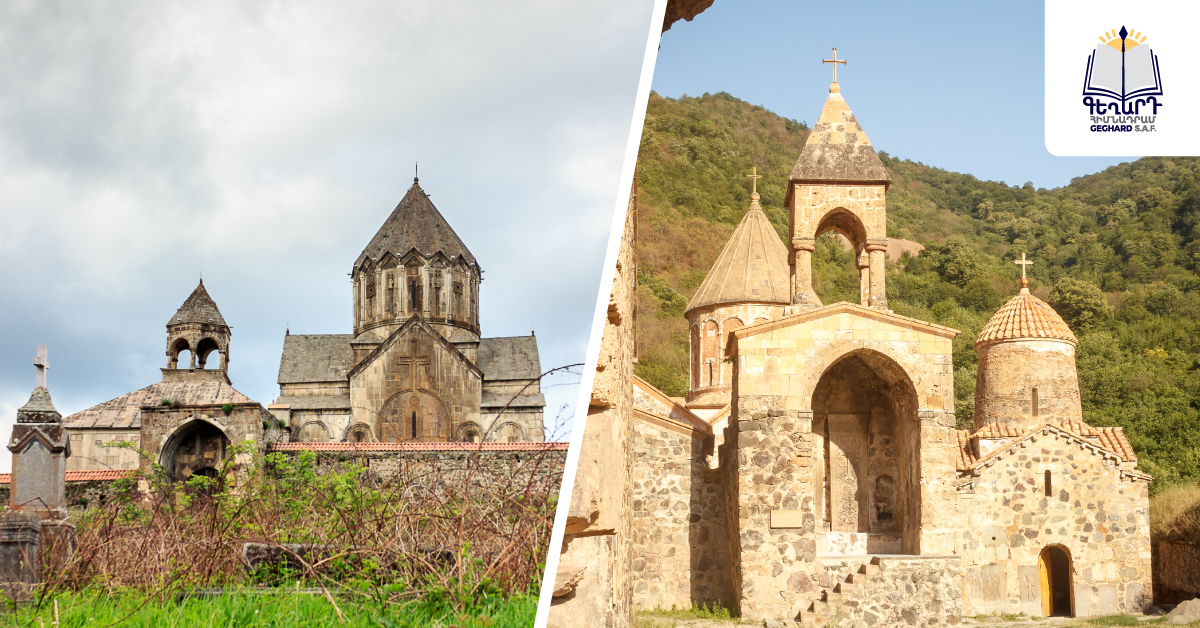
[(1023, 263), (754, 180), (42, 363), (834, 61)]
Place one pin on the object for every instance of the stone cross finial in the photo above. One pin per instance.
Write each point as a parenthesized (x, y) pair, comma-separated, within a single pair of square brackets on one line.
[(754, 180), (834, 61), (42, 363), (1023, 263)]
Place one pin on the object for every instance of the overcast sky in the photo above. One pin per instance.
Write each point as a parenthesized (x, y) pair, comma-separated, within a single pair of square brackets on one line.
[(145, 143), (957, 85)]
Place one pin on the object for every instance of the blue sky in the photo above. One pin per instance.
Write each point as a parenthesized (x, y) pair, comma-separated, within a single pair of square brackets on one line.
[(957, 85)]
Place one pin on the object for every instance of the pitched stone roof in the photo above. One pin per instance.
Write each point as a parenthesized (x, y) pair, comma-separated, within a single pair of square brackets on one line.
[(1025, 316), (316, 358), (753, 266), (513, 357), (494, 399), (837, 149), (198, 308), (124, 412), (415, 224)]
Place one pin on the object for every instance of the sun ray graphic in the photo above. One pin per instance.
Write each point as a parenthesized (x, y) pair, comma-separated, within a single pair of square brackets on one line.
[(1113, 38)]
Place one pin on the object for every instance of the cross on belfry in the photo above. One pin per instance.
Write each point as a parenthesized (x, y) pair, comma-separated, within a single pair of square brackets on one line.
[(1023, 263), (42, 363), (754, 180), (834, 61)]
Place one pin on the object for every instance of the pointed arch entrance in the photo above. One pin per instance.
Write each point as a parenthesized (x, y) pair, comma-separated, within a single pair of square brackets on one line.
[(1055, 575), (865, 419)]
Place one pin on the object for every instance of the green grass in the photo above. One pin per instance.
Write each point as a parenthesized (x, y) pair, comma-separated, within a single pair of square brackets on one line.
[(716, 612), (270, 610), (1121, 620)]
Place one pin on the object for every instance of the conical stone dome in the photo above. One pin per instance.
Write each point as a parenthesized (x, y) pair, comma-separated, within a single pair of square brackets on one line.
[(753, 266), (1025, 316), (198, 308), (415, 224)]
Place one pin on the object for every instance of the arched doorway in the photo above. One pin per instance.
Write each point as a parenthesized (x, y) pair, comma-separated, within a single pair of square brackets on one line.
[(195, 447), (1054, 572), (865, 420)]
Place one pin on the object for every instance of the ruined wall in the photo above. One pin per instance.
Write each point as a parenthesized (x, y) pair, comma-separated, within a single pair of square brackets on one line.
[(1177, 575), (1097, 512), (1008, 373), (680, 530), (594, 582)]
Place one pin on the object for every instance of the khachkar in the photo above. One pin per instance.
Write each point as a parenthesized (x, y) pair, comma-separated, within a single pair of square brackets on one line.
[(36, 517)]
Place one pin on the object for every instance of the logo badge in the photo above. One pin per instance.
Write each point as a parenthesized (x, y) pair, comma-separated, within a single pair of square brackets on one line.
[(1122, 85)]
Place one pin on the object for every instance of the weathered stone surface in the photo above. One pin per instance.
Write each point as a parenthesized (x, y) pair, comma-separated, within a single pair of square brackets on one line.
[(1185, 613)]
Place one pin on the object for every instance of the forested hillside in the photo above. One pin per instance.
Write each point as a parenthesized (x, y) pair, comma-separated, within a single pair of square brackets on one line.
[(1117, 253)]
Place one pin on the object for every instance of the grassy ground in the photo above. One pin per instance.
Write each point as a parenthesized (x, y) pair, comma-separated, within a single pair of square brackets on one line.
[(269, 610)]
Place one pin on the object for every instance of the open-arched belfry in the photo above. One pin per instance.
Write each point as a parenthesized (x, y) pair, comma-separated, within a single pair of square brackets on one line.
[(814, 472)]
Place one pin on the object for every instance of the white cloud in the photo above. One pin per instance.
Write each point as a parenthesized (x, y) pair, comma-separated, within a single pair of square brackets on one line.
[(262, 144)]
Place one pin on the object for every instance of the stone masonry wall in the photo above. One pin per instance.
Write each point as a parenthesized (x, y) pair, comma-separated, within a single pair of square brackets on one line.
[(895, 591), (1177, 577), (680, 531), (1096, 512)]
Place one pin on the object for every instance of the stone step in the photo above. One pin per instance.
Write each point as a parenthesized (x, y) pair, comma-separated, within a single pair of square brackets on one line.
[(807, 618), (870, 569), (844, 587), (833, 598), (857, 578)]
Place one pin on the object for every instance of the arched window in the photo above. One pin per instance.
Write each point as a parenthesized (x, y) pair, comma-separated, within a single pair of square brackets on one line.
[(1049, 488), (184, 359), (1034, 401)]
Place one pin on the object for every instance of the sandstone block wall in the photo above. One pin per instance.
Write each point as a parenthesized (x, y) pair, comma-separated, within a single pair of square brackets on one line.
[(899, 591), (680, 529), (1008, 373), (94, 450), (1096, 512)]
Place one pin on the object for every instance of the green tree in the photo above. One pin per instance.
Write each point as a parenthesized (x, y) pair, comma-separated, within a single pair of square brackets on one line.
[(1081, 303)]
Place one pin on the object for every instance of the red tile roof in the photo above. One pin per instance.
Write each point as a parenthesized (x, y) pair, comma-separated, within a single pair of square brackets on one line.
[(1025, 316), (367, 447), (966, 453), (81, 476)]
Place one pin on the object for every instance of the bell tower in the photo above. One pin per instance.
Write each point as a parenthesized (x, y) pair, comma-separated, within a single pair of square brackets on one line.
[(838, 184), (199, 329)]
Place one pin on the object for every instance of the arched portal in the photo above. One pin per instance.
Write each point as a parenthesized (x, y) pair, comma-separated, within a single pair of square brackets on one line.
[(1054, 572), (865, 419), (193, 447), (414, 416)]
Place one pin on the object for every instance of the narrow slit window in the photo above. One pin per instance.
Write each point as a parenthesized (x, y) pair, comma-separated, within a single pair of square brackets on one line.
[(1034, 401), (1049, 488), (414, 433)]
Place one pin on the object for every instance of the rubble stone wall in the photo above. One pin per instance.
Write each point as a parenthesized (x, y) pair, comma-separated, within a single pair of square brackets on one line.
[(680, 529), (1095, 512), (1177, 577)]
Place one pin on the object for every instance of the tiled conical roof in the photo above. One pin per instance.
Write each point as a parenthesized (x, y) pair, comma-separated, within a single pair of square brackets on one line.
[(415, 223), (837, 149), (1025, 316), (753, 266), (198, 308)]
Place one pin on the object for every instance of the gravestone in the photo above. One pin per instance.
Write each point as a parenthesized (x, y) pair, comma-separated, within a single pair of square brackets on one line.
[(1031, 590), (1135, 598), (1106, 599), (992, 577), (1083, 600), (33, 527)]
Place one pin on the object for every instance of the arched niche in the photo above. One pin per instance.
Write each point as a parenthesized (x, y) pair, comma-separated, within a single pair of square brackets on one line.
[(868, 437), (414, 416), (192, 447), (313, 432)]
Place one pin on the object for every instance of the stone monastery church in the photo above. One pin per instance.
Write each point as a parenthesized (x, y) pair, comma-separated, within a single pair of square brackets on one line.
[(814, 473), (414, 370)]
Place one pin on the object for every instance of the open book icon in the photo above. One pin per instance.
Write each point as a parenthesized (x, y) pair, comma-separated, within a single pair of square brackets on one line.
[(1122, 69)]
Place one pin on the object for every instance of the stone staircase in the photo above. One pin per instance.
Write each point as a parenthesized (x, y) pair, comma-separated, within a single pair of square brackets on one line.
[(844, 596)]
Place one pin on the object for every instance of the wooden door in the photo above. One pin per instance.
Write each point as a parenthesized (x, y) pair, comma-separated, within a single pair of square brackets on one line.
[(1044, 578)]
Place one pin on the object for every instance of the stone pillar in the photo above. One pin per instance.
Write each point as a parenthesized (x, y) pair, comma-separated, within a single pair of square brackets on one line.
[(20, 553), (802, 290), (878, 262), (864, 279)]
